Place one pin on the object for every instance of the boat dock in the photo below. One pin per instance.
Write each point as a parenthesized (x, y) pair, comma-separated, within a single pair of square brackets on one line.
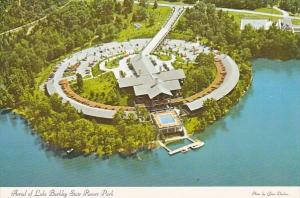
[(194, 145), (188, 147)]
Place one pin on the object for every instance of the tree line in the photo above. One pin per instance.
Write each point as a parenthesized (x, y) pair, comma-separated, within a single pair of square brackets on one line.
[(61, 127), (290, 5), (199, 74), (242, 4), (218, 30)]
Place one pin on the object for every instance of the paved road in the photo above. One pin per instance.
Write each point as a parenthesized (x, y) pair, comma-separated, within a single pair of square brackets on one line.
[(258, 13), (158, 38), (229, 83)]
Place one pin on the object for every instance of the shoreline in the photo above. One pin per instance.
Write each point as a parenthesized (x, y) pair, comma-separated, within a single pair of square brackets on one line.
[(59, 151)]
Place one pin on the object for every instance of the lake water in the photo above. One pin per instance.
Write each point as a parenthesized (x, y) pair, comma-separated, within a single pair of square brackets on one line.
[(257, 143)]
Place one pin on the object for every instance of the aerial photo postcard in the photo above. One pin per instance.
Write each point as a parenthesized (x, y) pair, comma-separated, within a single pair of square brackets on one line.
[(125, 98)]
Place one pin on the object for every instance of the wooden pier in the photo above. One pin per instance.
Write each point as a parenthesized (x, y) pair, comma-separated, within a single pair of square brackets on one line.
[(164, 146)]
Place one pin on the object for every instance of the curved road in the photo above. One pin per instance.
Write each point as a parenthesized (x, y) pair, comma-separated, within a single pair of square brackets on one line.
[(229, 83), (53, 86), (87, 57)]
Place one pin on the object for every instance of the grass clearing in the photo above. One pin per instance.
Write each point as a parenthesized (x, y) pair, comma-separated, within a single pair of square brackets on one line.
[(169, 2), (96, 70), (180, 63), (296, 21), (165, 57), (113, 62), (268, 10), (104, 89), (145, 31), (239, 16), (197, 77)]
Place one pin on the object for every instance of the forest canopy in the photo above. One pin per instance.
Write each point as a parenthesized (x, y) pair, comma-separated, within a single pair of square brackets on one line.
[(14, 13)]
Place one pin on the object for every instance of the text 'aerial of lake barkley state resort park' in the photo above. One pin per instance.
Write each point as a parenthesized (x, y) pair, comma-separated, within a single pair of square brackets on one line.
[(149, 93)]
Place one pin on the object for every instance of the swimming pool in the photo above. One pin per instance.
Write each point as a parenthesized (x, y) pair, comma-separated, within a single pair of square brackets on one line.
[(166, 119)]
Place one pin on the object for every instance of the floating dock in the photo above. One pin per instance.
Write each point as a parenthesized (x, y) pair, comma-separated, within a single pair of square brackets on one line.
[(194, 145), (188, 147)]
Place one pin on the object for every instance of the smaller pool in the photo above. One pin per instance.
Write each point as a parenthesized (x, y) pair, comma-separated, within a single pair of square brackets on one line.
[(166, 119)]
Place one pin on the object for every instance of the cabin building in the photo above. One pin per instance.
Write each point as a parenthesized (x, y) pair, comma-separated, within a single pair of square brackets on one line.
[(152, 86)]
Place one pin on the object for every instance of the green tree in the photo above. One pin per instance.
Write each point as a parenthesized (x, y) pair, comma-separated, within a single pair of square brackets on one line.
[(127, 6), (79, 81), (151, 19), (139, 14), (155, 5)]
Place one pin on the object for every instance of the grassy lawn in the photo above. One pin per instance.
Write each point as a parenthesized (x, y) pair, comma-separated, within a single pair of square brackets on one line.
[(104, 89), (96, 70), (145, 31), (168, 2), (187, 36), (238, 16), (197, 78), (164, 57), (268, 10), (180, 63), (113, 63), (296, 21)]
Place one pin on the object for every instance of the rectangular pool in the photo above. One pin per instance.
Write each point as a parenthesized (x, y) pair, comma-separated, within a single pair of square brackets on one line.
[(166, 119)]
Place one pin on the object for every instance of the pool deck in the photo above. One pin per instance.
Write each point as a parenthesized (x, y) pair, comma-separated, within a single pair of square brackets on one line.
[(160, 124)]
